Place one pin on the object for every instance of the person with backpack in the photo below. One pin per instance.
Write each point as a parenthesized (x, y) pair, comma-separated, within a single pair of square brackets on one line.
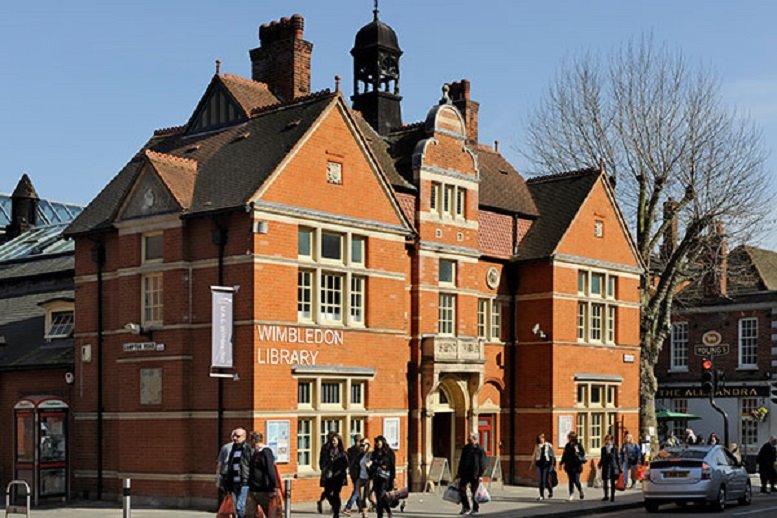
[(544, 459), (573, 460), (631, 455), (262, 481)]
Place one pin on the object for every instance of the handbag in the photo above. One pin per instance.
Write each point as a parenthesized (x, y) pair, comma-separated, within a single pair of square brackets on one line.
[(640, 473), (452, 493), (620, 484), (552, 477), (481, 496), (382, 473), (227, 508), (275, 508)]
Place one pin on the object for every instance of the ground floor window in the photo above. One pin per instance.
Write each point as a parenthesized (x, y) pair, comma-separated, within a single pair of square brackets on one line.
[(597, 411), (748, 433), (679, 426)]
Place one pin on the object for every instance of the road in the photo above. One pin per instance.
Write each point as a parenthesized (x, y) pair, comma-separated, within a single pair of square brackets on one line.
[(762, 506)]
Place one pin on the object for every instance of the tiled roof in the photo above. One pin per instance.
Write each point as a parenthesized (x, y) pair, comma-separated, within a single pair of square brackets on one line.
[(765, 262), (22, 325), (558, 199), (179, 175), (501, 186), (249, 94), (232, 162), (495, 233), (407, 204), (38, 266), (381, 149)]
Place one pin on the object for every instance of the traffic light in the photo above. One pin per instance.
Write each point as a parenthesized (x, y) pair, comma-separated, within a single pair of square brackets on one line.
[(707, 377), (774, 392)]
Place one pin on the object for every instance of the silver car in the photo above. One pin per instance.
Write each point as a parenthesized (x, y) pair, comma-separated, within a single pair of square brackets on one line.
[(702, 474)]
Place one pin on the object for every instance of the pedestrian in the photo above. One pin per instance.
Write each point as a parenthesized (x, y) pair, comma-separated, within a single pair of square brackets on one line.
[(238, 470), (610, 464), (321, 456), (262, 481), (544, 461), (363, 482), (713, 439), (222, 469), (690, 437), (472, 465), (631, 456), (383, 470), (354, 454), (572, 460), (335, 473), (766, 458)]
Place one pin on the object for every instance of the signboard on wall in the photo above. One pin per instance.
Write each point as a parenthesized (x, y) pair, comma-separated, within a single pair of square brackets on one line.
[(391, 431), (692, 391), (221, 327), (564, 427), (277, 433)]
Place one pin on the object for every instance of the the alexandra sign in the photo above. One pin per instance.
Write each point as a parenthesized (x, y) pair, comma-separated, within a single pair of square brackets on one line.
[(722, 392), (286, 335)]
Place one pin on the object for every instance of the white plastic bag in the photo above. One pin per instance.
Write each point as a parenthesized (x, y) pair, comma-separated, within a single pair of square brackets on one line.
[(452, 494), (481, 495)]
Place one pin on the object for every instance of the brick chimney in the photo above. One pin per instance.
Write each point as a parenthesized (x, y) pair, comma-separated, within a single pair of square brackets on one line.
[(716, 278), (24, 208), (282, 60), (459, 93)]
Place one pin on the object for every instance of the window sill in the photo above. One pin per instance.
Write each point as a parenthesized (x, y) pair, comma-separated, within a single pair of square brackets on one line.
[(747, 368), (678, 370)]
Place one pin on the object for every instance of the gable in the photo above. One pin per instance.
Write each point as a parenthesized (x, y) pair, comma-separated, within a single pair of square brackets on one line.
[(331, 171), (149, 196), (217, 108), (599, 210)]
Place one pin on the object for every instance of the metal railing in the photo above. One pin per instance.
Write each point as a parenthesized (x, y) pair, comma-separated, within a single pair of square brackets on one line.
[(17, 509)]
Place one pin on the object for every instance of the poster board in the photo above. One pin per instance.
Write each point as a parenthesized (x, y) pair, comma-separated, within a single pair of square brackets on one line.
[(391, 431), (438, 472), (564, 427), (494, 471), (277, 439)]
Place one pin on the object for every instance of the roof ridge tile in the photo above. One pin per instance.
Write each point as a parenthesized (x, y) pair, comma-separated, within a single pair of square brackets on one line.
[(261, 110), (172, 130), (187, 162), (560, 176), (245, 81)]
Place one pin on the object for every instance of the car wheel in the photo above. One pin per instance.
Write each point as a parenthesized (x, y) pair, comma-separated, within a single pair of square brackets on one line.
[(651, 507), (747, 498), (720, 503)]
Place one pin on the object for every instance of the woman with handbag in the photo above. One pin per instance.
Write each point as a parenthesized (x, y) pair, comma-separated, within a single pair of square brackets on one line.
[(334, 471), (610, 464), (544, 461), (382, 473), (572, 460)]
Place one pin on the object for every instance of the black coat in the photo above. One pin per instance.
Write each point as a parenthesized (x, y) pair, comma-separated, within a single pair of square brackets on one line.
[(334, 468), (383, 459), (473, 462), (766, 458), (262, 471), (354, 456), (573, 458), (245, 460), (610, 462)]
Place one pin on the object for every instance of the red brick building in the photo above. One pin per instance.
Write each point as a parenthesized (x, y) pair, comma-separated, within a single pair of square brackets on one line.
[(393, 279), (728, 318)]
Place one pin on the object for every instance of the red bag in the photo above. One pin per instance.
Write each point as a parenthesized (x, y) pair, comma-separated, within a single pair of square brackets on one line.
[(227, 508), (276, 506), (620, 485), (640, 472)]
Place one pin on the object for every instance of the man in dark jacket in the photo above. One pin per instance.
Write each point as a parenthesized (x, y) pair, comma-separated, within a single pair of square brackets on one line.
[(766, 457), (262, 481), (237, 470), (472, 465), (354, 455)]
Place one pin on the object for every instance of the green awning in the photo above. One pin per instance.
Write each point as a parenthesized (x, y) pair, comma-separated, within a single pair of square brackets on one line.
[(670, 415)]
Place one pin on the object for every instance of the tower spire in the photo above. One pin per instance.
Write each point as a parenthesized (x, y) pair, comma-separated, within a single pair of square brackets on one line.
[(375, 11)]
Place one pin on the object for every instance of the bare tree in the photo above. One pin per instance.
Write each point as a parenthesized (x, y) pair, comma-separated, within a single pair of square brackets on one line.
[(683, 161)]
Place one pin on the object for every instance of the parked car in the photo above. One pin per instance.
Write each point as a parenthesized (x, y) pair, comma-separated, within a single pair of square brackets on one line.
[(701, 474)]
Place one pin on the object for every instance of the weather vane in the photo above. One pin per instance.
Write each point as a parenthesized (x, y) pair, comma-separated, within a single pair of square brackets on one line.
[(375, 11)]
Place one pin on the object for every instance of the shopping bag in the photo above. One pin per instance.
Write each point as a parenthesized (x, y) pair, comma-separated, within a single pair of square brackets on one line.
[(640, 472), (452, 494), (227, 508), (620, 485), (552, 478), (275, 509), (481, 495)]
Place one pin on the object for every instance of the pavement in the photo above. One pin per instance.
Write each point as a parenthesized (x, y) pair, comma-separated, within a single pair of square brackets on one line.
[(507, 502)]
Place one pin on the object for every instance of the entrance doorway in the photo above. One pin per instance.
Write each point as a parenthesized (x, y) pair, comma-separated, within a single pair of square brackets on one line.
[(486, 433), (442, 423)]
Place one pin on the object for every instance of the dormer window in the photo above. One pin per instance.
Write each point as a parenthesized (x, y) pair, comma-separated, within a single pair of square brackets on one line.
[(60, 318)]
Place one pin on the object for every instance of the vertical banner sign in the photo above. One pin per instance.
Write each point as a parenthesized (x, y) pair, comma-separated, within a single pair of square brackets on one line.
[(222, 328)]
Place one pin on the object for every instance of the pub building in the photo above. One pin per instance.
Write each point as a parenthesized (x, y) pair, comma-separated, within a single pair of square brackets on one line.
[(729, 319), (384, 278)]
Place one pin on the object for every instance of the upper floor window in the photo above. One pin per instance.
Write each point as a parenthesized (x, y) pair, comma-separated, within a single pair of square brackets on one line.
[(358, 249), (152, 299), (448, 200), (332, 246), (490, 319), (61, 324), (597, 281), (305, 242), (596, 318), (461, 200), (748, 342), (679, 346), (447, 272), (447, 314), (152, 247), (434, 200)]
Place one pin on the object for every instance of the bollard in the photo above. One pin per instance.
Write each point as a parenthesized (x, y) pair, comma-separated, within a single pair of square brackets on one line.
[(127, 505), (287, 503)]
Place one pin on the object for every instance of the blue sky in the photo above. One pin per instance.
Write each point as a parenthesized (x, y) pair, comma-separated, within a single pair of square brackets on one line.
[(84, 83)]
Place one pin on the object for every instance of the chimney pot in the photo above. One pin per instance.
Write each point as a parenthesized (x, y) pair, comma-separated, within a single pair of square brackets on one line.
[(459, 93), (282, 60)]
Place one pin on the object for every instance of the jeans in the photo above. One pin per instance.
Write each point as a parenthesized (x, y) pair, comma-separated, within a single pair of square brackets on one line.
[(627, 472), (354, 496), (332, 488), (240, 501), (542, 476), (574, 482), (381, 486)]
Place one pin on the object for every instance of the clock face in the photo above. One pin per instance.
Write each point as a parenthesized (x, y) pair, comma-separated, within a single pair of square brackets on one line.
[(389, 66)]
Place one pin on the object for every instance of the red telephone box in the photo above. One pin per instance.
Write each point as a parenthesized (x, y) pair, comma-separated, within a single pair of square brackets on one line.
[(40, 446)]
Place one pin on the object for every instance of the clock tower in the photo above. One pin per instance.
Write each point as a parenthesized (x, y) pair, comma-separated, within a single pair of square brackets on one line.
[(376, 75)]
